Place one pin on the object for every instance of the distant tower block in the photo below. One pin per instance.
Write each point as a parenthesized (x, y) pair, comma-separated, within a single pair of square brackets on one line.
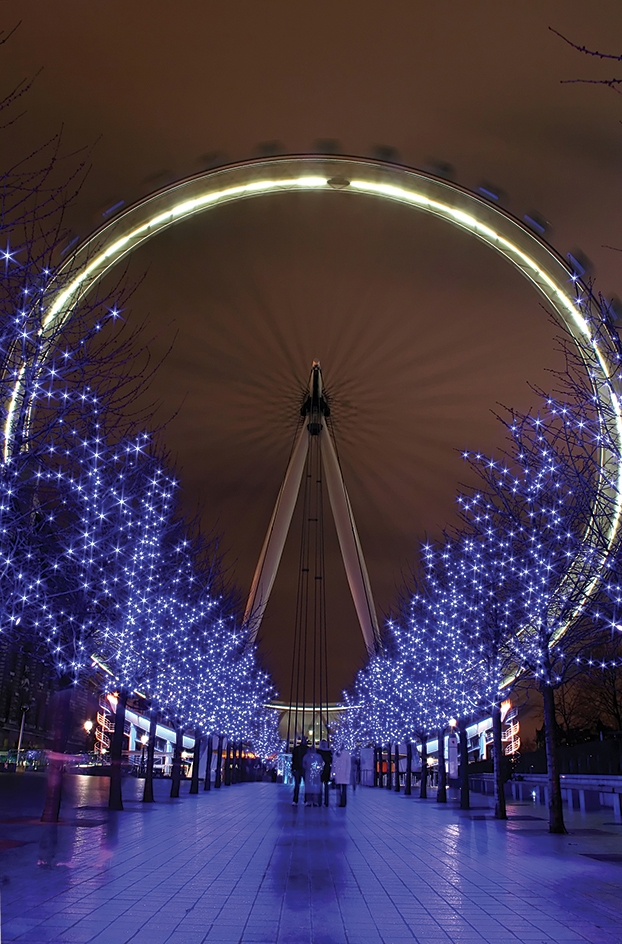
[(316, 410)]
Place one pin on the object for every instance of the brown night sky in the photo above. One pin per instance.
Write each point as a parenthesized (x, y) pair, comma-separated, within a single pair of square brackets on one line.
[(421, 331)]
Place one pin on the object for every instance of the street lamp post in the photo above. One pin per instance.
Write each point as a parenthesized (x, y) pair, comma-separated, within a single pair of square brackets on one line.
[(21, 732)]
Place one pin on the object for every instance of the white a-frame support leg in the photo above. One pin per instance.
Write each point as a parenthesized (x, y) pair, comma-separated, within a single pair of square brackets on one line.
[(274, 542), (349, 543)]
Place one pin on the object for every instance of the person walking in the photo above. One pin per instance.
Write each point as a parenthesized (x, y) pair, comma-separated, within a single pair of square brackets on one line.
[(327, 757), (297, 769), (312, 765), (367, 766), (342, 768), (356, 770)]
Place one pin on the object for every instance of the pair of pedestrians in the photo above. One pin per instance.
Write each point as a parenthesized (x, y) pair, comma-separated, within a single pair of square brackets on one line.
[(315, 768)]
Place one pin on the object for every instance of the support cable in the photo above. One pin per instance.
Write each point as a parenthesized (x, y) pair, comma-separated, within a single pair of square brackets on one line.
[(323, 636), (302, 594)]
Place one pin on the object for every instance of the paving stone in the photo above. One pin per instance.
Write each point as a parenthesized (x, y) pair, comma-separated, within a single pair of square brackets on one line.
[(241, 865)]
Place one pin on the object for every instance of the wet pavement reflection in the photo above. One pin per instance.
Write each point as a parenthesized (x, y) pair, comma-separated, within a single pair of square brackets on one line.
[(241, 864)]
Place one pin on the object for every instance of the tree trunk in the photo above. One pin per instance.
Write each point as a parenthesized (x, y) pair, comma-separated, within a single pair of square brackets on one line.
[(218, 777), (389, 783), (115, 799), (616, 709), (497, 751), (409, 761), (228, 764), (242, 765), (464, 765), (148, 790), (423, 792), (397, 767), (60, 704), (176, 772), (376, 765), (196, 757), (556, 815), (441, 793), (208, 762)]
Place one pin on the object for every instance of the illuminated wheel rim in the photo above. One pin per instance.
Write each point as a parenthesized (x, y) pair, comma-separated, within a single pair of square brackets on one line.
[(529, 254)]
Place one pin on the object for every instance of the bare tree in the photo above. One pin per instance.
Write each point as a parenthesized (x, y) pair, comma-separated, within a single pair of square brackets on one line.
[(612, 83)]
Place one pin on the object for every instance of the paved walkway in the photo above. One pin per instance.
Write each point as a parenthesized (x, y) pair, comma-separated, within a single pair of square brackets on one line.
[(241, 864)]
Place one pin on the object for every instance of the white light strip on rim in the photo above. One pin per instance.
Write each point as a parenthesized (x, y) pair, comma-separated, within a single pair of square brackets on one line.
[(178, 212)]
